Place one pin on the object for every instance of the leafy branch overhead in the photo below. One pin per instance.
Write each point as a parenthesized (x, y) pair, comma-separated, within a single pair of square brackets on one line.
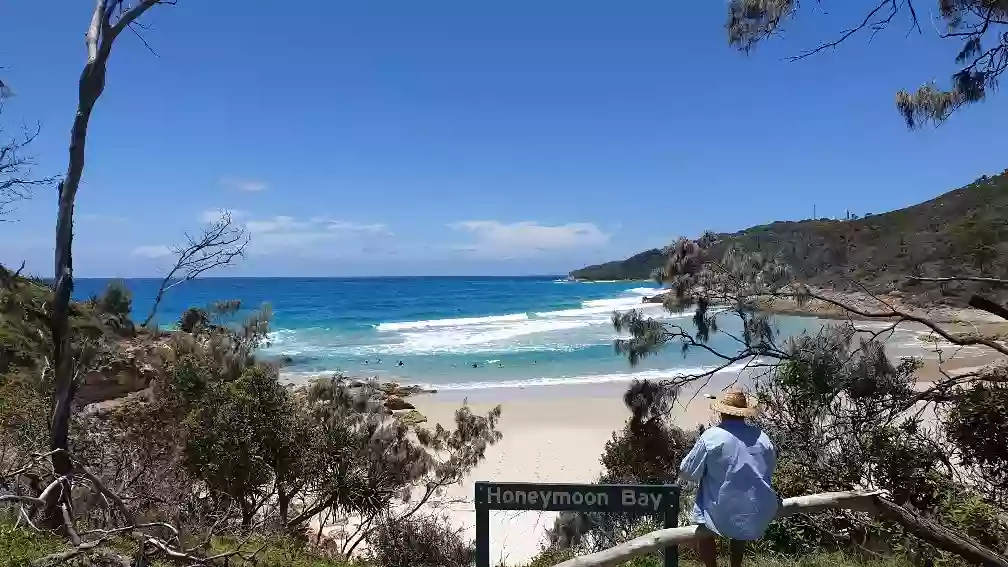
[(975, 26)]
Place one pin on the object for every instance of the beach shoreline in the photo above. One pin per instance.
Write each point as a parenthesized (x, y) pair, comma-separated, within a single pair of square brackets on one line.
[(555, 430), (557, 434)]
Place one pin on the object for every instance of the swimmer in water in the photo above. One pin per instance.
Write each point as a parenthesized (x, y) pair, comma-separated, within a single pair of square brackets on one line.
[(400, 363), (475, 365)]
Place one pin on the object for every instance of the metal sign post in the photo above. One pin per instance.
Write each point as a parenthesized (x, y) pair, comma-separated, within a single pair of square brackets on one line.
[(659, 500)]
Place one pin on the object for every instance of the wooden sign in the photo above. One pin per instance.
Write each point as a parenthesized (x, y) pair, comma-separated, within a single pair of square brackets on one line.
[(659, 500)]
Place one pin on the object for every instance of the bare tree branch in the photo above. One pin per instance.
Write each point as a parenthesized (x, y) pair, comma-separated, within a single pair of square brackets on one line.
[(902, 315), (869, 22), (16, 180), (218, 245), (979, 24)]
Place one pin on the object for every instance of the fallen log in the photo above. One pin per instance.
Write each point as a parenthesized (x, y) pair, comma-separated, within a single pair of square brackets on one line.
[(869, 502)]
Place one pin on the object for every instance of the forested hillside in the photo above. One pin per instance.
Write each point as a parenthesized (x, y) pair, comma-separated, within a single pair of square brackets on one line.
[(637, 267), (964, 231)]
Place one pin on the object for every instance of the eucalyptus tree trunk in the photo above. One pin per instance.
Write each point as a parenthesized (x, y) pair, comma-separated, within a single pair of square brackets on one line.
[(100, 36)]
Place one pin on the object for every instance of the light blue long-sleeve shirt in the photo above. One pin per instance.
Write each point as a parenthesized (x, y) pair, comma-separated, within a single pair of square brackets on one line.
[(733, 463)]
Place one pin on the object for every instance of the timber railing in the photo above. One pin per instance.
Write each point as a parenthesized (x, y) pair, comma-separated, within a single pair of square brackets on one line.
[(872, 503)]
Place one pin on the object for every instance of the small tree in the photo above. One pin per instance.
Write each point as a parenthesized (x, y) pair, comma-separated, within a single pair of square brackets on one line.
[(977, 240), (362, 465), (647, 450), (235, 431)]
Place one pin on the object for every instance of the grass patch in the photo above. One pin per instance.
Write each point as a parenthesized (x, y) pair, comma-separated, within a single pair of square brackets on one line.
[(20, 546)]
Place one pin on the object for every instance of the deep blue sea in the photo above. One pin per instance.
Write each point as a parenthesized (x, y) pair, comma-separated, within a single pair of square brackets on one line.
[(448, 332)]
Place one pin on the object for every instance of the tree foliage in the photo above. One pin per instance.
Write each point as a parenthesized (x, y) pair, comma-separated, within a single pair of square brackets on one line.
[(843, 415), (218, 446), (974, 26)]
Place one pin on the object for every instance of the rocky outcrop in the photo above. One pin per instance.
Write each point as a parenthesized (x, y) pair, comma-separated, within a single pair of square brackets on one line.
[(132, 367), (660, 298), (388, 395), (411, 418)]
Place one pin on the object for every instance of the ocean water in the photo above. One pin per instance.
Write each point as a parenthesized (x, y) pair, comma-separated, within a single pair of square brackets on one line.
[(447, 332)]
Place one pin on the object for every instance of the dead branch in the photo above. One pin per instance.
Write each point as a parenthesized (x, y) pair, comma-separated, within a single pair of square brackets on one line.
[(873, 21), (92, 541), (218, 245), (869, 502), (16, 180), (64, 556)]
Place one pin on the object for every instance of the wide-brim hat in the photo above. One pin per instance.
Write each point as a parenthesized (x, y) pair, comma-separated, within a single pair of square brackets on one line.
[(735, 402)]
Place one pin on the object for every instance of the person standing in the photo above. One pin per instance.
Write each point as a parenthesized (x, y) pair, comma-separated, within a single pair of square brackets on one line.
[(733, 463)]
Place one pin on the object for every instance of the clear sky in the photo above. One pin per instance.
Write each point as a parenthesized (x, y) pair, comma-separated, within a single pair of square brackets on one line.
[(394, 137)]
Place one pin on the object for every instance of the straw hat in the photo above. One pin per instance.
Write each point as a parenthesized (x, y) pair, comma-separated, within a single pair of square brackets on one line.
[(734, 402)]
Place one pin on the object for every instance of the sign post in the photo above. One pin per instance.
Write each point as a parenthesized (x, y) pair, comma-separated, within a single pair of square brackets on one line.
[(657, 499)]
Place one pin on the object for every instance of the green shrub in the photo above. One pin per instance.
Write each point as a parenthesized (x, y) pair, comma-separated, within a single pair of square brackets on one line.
[(114, 307), (978, 425), (193, 319), (420, 541)]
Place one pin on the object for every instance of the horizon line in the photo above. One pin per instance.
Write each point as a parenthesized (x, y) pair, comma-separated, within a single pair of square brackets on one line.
[(327, 277)]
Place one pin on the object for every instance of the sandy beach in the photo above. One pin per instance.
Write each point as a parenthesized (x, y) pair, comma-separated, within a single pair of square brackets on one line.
[(557, 434), (551, 434)]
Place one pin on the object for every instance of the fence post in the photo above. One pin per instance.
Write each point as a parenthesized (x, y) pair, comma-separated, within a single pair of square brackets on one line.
[(482, 527), (672, 520)]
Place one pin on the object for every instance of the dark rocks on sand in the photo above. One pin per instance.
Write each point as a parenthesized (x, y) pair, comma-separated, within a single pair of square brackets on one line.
[(394, 403)]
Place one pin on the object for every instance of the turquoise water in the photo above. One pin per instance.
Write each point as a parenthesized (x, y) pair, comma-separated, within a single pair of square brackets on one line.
[(516, 331)]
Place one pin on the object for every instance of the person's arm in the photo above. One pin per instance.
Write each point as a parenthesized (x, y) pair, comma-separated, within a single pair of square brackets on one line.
[(772, 461), (692, 466)]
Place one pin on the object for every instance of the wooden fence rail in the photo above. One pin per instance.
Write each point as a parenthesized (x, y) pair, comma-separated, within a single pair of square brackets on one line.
[(870, 502)]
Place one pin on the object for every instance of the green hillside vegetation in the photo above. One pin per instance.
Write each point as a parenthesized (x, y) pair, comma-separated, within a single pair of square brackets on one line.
[(963, 232), (637, 267)]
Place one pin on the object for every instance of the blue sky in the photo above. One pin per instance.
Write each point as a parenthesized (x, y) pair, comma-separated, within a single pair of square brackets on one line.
[(468, 137)]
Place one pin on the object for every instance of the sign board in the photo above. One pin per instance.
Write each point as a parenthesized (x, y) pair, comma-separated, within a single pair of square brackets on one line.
[(659, 500)]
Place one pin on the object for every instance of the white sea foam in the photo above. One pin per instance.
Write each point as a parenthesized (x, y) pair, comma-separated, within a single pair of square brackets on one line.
[(564, 329), (645, 290), (399, 326), (654, 375), (560, 330)]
